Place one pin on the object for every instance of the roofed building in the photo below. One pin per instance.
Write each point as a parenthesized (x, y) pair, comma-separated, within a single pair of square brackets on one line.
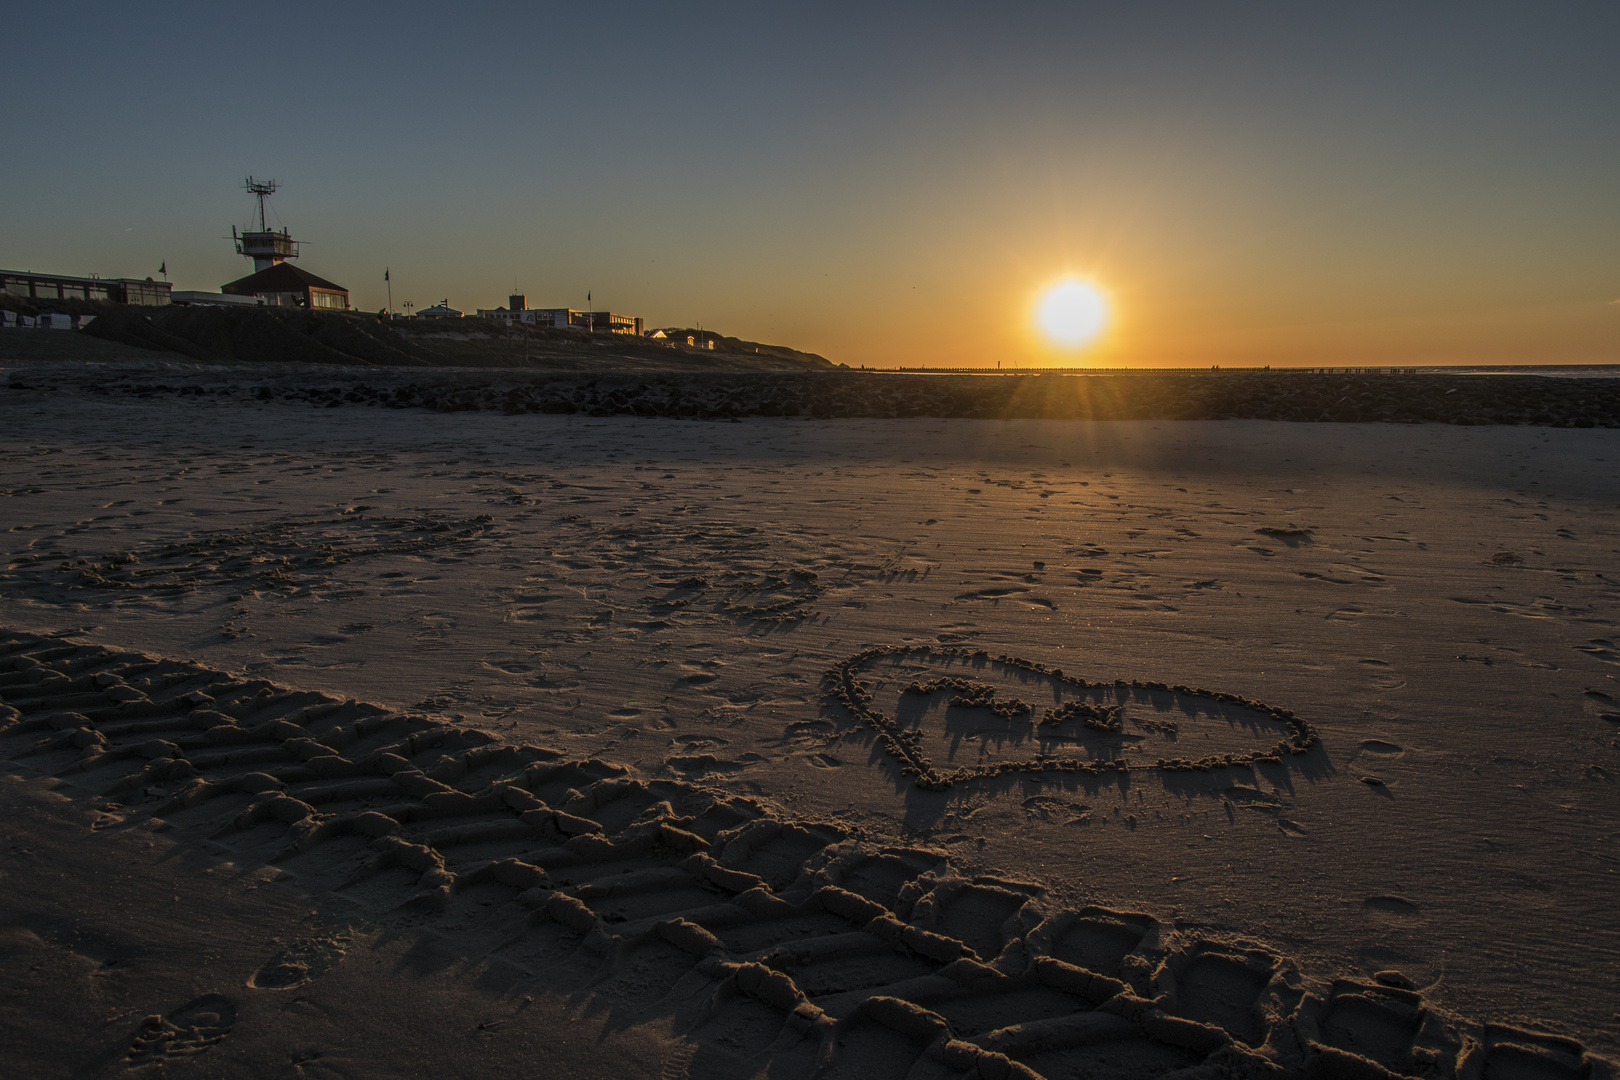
[(563, 318), (32, 286), (286, 285), (280, 283)]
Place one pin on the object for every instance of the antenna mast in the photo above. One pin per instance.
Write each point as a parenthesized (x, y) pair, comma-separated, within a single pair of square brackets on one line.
[(266, 247), (260, 188)]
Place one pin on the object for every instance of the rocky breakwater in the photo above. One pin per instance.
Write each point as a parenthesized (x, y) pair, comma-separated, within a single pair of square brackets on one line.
[(1300, 397), (1305, 398)]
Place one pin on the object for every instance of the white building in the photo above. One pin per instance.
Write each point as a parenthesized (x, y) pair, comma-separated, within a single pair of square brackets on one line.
[(518, 310)]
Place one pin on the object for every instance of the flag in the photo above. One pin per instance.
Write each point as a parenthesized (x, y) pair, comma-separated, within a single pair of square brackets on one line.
[(587, 299), (164, 269), (385, 273)]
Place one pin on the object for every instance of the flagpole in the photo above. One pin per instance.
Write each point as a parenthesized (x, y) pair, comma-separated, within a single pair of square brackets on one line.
[(390, 285)]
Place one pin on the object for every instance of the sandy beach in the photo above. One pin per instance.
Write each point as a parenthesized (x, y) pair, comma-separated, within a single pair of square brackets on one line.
[(907, 746)]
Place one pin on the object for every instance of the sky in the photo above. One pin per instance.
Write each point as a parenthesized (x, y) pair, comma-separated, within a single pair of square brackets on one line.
[(888, 184)]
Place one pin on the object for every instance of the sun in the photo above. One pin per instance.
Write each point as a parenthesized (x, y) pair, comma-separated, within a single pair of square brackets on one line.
[(1071, 313)]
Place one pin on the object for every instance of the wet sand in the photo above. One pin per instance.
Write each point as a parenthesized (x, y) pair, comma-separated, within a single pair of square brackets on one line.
[(1433, 604)]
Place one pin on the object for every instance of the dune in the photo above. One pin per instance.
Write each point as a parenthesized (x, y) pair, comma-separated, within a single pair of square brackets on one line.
[(217, 335), (374, 740)]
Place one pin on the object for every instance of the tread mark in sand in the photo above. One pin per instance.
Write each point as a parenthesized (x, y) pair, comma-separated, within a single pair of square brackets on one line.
[(765, 942)]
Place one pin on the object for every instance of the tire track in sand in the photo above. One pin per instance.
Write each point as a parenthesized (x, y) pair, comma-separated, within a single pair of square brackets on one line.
[(766, 942)]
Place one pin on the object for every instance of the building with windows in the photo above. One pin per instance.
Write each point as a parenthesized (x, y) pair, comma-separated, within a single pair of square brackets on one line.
[(286, 285), (277, 281), (518, 310), (27, 285)]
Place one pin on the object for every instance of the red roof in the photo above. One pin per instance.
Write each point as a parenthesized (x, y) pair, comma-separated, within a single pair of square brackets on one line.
[(282, 277)]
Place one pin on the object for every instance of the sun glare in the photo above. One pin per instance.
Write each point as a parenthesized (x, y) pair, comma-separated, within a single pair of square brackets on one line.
[(1071, 313)]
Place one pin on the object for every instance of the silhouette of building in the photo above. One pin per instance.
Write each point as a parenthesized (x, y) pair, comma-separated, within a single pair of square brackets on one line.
[(278, 282), (518, 310), (286, 285), (26, 285)]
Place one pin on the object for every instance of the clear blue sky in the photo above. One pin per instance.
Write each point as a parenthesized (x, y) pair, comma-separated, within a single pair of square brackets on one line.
[(1273, 182)]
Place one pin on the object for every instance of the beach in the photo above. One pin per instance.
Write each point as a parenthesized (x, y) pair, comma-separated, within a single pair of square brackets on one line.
[(1276, 745)]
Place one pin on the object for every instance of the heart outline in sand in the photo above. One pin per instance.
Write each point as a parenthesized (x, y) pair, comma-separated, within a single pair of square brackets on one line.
[(846, 687)]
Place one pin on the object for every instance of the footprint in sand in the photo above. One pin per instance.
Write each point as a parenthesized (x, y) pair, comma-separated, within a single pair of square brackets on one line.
[(700, 673), (190, 1029), (1379, 746), (693, 744), (1048, 808), (1390, 905), (700, 764), (298, 963), (817, 732), (1376, 753), (1601, 649), (279, 975), (1380, 675), (1292, 535)]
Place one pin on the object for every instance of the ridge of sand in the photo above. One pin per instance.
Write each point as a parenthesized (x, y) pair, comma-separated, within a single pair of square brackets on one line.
[(765, 944), (260, 334)]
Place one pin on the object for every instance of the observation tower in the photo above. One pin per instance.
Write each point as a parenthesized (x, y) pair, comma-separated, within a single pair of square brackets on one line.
[(276, 282), (264, 245)]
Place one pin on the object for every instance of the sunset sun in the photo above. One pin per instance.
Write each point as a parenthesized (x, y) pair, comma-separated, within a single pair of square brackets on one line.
[(1071, 313)]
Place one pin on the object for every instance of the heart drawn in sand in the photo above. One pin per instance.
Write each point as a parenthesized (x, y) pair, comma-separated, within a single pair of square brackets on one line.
[(949, 715)]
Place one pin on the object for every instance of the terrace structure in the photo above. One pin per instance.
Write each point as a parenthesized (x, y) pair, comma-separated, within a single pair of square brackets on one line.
[(27, 285)]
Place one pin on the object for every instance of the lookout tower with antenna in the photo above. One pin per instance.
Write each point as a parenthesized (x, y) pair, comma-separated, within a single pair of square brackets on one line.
[(275, 282), (265, 246)]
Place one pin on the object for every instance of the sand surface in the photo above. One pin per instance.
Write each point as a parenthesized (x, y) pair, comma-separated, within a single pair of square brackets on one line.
[(308, 988), (1437, 603)]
